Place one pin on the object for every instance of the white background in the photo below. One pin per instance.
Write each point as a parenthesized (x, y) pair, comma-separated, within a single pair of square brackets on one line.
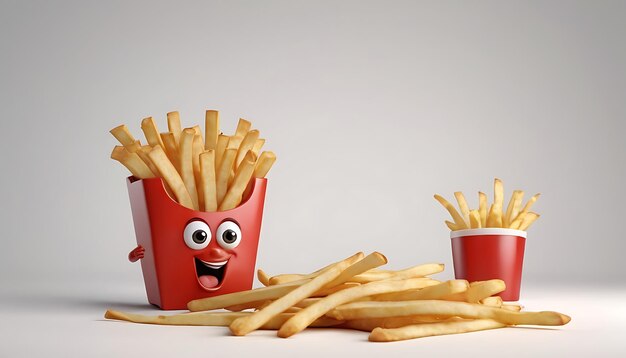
[(371, 108)]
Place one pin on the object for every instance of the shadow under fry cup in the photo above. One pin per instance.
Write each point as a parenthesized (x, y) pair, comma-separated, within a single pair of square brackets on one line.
[(490, 253)]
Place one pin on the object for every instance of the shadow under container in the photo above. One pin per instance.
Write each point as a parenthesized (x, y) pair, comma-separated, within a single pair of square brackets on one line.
[(170, 268), (490, 253)]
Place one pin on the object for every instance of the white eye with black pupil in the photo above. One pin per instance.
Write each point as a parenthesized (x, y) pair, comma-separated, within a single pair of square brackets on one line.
[(197, 235), (228, 235)]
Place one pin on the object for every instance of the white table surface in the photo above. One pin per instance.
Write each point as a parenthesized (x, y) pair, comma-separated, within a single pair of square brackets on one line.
[(68, 322)]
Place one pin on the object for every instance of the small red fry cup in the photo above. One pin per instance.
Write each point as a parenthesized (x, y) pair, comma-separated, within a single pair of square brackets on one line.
[(490, 253)]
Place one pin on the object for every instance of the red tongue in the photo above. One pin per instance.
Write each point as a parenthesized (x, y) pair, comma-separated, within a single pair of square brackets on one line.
[(208, 281)]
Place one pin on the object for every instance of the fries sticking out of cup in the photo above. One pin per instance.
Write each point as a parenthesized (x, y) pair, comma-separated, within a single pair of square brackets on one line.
[(354, 294), (513, 216), (210, 173)]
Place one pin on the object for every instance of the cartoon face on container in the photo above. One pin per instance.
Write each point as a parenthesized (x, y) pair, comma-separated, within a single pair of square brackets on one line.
[(187, 254)]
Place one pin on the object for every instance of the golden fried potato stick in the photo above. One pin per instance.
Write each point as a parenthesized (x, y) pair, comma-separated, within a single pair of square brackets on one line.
[(171, 176), (263, 278), (460, 199), (373, 260), (432, 329), (136, 147), (223, 174), (520, 217), (132, 162), (426, 293), (243, 127), (248, 305), (149, 128), (171, 149), (246, 145), (258, 145), (458, 219), (411, 272), (222, 143), (123, 135), (245, 325), (369, 324), (479, 291), (197, 148), (186, 165), (517, 207), (529, 218), (494, 219), (237, 298), (210, 319), (482, 208), (207, 180), (242, 178), (494, 301), (174, 127), (475, 221), (284, 278), (516, 308), (266, 160), (325, 291), (305, 317), (452, 226), (516, 199), (211, 129), (374, 309)]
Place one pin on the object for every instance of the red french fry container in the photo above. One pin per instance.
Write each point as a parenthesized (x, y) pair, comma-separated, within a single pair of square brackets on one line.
[(490, 253), (194, 254)]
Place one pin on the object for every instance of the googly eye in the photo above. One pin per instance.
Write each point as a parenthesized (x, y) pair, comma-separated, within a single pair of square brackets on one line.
[(228, 235), (197, 235)]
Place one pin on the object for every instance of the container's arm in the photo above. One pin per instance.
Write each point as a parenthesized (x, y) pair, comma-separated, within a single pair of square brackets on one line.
[(136, 254)]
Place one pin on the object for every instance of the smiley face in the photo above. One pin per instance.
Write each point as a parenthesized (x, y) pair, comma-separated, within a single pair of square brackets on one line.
[(212, 253)]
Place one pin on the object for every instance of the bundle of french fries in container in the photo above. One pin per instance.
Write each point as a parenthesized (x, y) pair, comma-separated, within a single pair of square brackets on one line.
[(197, 204), (488, 243), (355, 294)]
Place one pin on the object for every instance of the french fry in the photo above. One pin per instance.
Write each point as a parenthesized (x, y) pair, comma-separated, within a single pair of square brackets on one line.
[(174, 127), (325, 291), (494, 219), (248, 305), (171, 148), (432, 329), (257, 146), (520, 217), (514, 202), (245, 325), (458, 219), (452, 226), (246, 145), (529, 218), (237, 298), (123, 135), (516, 308), (427, 293), (494, 301), (197, 148), (263, 277), (171, 176), (369, 324), (186, 165), (482, 208), (243, 127), (372, 309), (211, 319), (475, 221), (142, 152), (211, 129), (517, 206), (222, 143), (411, 272), (207, 180), (132, 162), (305, 317), (460, 199), (223, 174), (242, 177), (479, 291), (373, 260), (149, 128), (278, 279)]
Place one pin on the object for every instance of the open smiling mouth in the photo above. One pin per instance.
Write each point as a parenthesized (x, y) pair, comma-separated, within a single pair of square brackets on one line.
[(210, 274)]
